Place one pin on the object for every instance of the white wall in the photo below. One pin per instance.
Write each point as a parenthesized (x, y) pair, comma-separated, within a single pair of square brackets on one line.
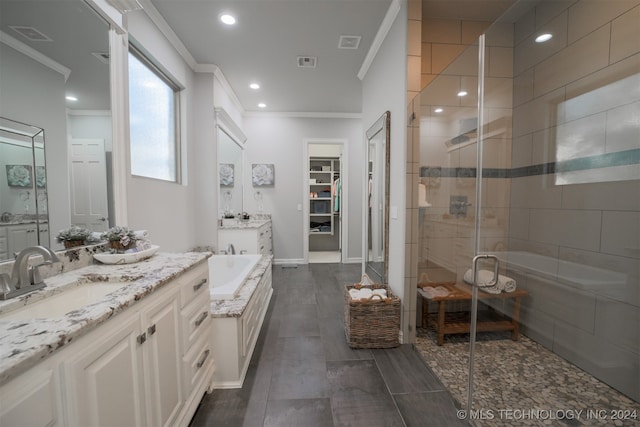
[(279, 140), (165, 209), (384, 88)]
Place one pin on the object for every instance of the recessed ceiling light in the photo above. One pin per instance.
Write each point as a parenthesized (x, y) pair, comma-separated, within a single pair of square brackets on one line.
[(227, 19), (543, 38), (70, 98), (438, 110), (262, 105), (254, 86), (462, 93)]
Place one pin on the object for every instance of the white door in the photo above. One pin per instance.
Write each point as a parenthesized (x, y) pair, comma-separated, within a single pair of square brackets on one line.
[(88, 181)]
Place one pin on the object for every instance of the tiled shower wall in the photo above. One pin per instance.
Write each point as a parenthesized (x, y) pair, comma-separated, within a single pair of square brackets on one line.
[(575, 189)]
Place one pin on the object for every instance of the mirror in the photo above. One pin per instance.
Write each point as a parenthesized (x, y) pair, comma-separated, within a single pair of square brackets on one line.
[(50, 50), (377, 218), (23, 188), (230, 175)]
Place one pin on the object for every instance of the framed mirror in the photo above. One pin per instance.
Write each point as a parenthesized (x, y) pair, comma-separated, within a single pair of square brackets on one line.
[(55, 68), (376, 245), (231, 142)]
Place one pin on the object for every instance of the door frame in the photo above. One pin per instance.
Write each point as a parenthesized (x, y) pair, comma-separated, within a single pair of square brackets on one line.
[(344, 195)]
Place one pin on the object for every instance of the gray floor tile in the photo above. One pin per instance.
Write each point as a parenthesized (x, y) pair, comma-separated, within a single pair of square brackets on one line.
[(298, 413), (404, 371), (429, 409), (299, 379)]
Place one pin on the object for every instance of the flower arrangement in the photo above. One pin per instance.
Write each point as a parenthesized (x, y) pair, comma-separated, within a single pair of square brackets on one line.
[(121, 238), (73, 236)]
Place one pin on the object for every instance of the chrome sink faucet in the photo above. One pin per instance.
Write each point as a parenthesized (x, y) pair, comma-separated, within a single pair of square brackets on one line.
[(230, 249), (25, 278)]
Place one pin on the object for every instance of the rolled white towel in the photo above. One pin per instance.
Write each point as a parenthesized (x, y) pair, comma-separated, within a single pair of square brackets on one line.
[(367, 293), (381, 292), (505, 283)]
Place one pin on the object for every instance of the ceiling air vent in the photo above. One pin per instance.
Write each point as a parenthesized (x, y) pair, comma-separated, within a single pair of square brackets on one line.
[(307, 61), (349, 42), (30, 33)]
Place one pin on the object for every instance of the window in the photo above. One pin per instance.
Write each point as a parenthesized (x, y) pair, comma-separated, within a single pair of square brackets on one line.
[(153, 119)]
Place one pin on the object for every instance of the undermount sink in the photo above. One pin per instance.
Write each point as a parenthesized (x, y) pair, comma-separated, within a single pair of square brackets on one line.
[(59, 304)]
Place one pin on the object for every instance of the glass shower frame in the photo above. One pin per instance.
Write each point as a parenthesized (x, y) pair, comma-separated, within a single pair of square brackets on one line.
[(549, 183)]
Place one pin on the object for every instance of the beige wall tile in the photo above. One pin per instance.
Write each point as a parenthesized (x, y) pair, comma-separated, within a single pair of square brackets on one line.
[(427, 79), (614, 196), (415, 10), (457, 60), (414, 38), (471, 30), (525, 26), (573, 228), (521, 151), (523, 87), (548, 10), (544, 146), (586, 16), (498, 93), (426, 58), (579, 59), (500, 62), (442, 55), (620, 231), (442, 92), (535, 192), (529, 53), (625, 35), (413, 71), (441, 31), (538, 114), (618, 71), (496, 153), (500, 35)]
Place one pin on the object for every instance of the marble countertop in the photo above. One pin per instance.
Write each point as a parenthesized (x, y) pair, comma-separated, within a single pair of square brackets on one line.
[(241, 225), (236, 306), (23, 343)]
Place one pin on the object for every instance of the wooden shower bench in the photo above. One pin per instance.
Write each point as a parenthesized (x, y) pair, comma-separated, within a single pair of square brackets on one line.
[(446, 325)]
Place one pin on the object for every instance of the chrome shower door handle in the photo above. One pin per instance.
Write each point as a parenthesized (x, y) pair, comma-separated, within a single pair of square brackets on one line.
[(474, 270)]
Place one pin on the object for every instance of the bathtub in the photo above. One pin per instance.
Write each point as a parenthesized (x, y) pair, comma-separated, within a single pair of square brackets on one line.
[(227, 274)]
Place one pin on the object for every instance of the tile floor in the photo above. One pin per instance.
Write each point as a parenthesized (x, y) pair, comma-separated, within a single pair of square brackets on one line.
[(304, 374)]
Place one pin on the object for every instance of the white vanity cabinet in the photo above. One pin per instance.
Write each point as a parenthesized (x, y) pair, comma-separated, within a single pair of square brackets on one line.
[(131, 374), (149, 365), (33, 399), (250, 239), (4, 244), (235, 337)]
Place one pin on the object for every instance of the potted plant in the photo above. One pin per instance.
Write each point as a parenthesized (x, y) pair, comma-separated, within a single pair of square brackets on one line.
[(73, 236), (120, 238)]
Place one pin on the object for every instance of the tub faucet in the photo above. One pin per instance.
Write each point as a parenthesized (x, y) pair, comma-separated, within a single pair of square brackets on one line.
[(230, 249), (25, 278)]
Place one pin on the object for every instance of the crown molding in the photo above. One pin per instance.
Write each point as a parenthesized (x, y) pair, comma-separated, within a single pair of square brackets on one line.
[(166, 30), (304, 115), (34, 54), (387, 22)]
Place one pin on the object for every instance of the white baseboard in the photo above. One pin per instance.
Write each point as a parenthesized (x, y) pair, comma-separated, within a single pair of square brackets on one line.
[(288, 261)]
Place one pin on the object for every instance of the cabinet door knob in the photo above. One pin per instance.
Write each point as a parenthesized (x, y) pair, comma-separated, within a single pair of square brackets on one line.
[(151, 329), (142, 338)]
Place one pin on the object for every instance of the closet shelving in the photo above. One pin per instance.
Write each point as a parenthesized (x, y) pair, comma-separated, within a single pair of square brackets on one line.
[(323, 216)]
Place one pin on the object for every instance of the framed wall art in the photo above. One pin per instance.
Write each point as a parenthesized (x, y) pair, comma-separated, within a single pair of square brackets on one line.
[(262, 174)]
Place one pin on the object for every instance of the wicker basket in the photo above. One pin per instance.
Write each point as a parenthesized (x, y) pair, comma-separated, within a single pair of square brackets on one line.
[(115, 244), (373, 323)]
